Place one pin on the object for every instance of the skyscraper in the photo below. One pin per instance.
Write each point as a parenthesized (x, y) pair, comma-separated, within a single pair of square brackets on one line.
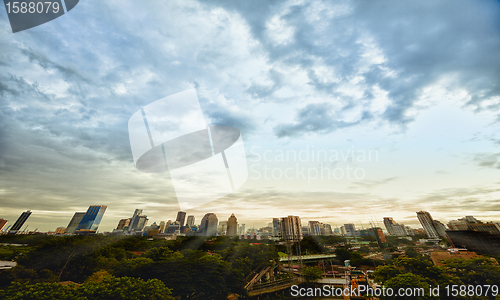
[(327, 229), (92, 218), (123, 223), (290, 228), (20, 221), (276, 222), (181, 216), (314, 228), (241, 229), (389, 223), (138, 221), (60, 230), (2, 223), (208, 226), (77, 218), (162, 227), (222, 228), (427, 222), (350, 229), (232, 226), (440, 228), (190, 221), (394, 228)]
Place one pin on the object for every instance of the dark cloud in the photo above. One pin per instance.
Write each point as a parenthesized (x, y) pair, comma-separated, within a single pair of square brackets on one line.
[(487, 160), (421, 43), (69, 72), (315, 118), (260, 91), (67, 90)]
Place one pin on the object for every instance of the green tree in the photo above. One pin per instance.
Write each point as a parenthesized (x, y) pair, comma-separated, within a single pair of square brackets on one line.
[(411, 252), (414, 287), (475, 271), (384, 273), (124, 288), (38, 291), (312, 274), (110, 288)]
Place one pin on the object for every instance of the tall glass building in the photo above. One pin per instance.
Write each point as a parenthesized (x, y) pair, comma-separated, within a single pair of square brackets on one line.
[(208, 226), (92, 218), (20, 221)]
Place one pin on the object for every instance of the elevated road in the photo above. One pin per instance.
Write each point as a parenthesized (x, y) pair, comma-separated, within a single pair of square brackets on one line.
[(308, 257)]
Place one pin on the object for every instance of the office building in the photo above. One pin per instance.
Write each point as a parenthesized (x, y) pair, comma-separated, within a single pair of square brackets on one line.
[(190, 221), (162, 227), (152, 230), (222, 228), (409, 231), (92, 218), (342, 230), (394, 228), (379, 235), (290, 228), (77, 218), (459, 224), (440, 228), (60, 230), (427, 222), (123, 223), (232, 226), (276, 222), (462, 223), (138, 221), (173, 228), (135, 220), (350, 229), (327, 228), (314, 228), (181, 217), (241, 229), (3, 222), (141, 223), (471, 223), (492, 228), (481, 242), (20, 221), (208, 226), (389, 223)]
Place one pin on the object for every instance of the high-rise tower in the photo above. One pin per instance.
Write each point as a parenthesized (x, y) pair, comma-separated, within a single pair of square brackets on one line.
[(428, 223), (190, 221), (181, 216), (20, 221), (77, 218), (92, 218), (208, 226), (232, 226)]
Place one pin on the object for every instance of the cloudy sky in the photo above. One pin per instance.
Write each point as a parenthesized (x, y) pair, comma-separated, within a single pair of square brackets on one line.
[(375, 108)]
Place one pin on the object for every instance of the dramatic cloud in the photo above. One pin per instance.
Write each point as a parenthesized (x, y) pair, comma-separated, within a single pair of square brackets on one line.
[(342, 75)]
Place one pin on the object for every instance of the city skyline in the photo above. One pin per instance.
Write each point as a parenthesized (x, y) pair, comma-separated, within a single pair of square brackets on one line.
[(348, 228), (348, 112)]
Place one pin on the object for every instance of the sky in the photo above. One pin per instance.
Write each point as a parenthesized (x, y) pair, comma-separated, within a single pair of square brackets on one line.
[(349, 111)]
